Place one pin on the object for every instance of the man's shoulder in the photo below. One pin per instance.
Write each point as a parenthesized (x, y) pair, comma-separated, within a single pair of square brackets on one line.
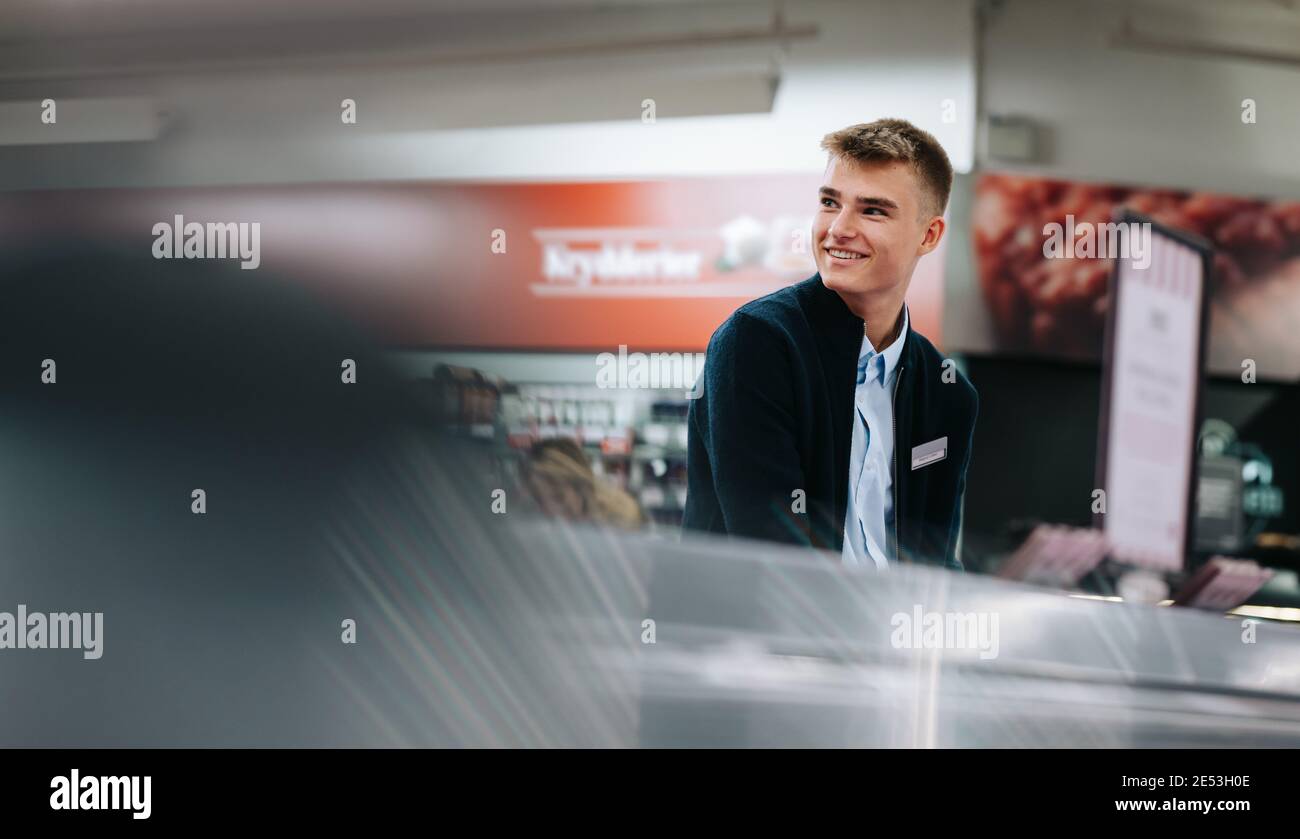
[(782, 306), (764, 334), (775, 313)]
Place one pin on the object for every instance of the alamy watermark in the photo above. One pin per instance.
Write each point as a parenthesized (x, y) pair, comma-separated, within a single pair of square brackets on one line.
[(1105, 240), (54, 631), (214, 240), (657, 370), (106, 792), (922, 630)]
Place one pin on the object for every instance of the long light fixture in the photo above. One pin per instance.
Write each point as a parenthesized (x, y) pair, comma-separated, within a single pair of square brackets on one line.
[(55, 120)]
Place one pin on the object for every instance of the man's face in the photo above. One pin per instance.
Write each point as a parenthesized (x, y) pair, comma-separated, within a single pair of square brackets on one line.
[(873, 226)]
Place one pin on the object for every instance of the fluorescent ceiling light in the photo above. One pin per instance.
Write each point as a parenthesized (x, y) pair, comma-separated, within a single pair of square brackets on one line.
[(117, 120)]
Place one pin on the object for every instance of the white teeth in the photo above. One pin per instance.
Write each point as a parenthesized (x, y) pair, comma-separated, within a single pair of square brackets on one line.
[(843, 254)]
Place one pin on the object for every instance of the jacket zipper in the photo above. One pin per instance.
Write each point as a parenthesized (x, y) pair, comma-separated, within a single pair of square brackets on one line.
[(893, 457)]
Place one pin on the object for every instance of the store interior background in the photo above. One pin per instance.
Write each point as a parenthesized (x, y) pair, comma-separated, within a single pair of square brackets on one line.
[(246, 96)]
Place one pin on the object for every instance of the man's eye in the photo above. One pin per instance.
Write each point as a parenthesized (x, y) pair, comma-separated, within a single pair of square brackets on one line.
[(826, 202), (874, 210)]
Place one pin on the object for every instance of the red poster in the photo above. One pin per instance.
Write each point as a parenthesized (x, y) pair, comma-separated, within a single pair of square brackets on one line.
[(1057, 306)]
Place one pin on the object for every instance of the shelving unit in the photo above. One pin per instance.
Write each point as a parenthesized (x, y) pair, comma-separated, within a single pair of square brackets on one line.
[(634, 438)]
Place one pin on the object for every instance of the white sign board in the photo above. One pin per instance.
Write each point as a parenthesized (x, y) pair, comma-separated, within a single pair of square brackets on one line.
[(1155, 345)]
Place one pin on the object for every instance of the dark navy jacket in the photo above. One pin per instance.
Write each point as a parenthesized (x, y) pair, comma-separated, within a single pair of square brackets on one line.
[(776, 416)]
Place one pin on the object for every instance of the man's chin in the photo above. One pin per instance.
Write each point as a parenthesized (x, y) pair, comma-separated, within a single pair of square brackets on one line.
[(838, 279)]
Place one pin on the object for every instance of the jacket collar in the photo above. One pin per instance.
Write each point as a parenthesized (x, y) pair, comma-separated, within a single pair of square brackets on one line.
[(879, 365), (843, 328)]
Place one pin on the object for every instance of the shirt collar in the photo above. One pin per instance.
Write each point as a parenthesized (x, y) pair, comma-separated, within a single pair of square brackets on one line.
[(881, 364)]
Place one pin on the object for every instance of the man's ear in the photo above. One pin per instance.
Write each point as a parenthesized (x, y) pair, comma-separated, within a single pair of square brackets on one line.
[(933, 235)]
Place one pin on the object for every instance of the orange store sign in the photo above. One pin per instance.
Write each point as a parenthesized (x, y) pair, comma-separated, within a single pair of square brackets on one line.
[(651, 265)]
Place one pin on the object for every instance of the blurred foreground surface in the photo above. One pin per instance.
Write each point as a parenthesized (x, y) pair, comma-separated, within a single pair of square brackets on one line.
[(756, 648)]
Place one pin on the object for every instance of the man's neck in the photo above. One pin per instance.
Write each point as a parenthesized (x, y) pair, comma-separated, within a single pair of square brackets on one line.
[(882, 317)]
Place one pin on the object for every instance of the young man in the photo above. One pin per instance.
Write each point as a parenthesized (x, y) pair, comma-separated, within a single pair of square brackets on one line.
[(825, 419)]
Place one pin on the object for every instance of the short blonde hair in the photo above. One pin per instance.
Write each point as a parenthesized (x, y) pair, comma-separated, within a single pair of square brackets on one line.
[(887, 140)]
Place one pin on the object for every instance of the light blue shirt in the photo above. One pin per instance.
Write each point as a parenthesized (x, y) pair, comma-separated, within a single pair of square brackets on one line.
[(871, 481)]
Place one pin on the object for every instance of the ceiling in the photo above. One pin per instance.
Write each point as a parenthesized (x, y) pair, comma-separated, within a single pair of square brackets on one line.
[(22, 20)]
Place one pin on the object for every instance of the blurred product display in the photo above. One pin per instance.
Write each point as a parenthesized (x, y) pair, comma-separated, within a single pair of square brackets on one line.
[(1222, 583), (1055, 555), (466, 400), (630, 440)]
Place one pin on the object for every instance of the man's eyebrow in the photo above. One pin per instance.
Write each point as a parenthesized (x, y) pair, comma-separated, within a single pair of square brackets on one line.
[(862, 200)]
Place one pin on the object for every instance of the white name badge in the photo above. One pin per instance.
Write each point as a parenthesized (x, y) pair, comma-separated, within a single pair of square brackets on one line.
[(931, 452)]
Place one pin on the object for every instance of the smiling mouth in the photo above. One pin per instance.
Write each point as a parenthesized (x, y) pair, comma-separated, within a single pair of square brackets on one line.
[(845, 255)]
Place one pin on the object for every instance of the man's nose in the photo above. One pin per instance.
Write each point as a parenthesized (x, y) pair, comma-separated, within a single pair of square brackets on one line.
[(840, 227)]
